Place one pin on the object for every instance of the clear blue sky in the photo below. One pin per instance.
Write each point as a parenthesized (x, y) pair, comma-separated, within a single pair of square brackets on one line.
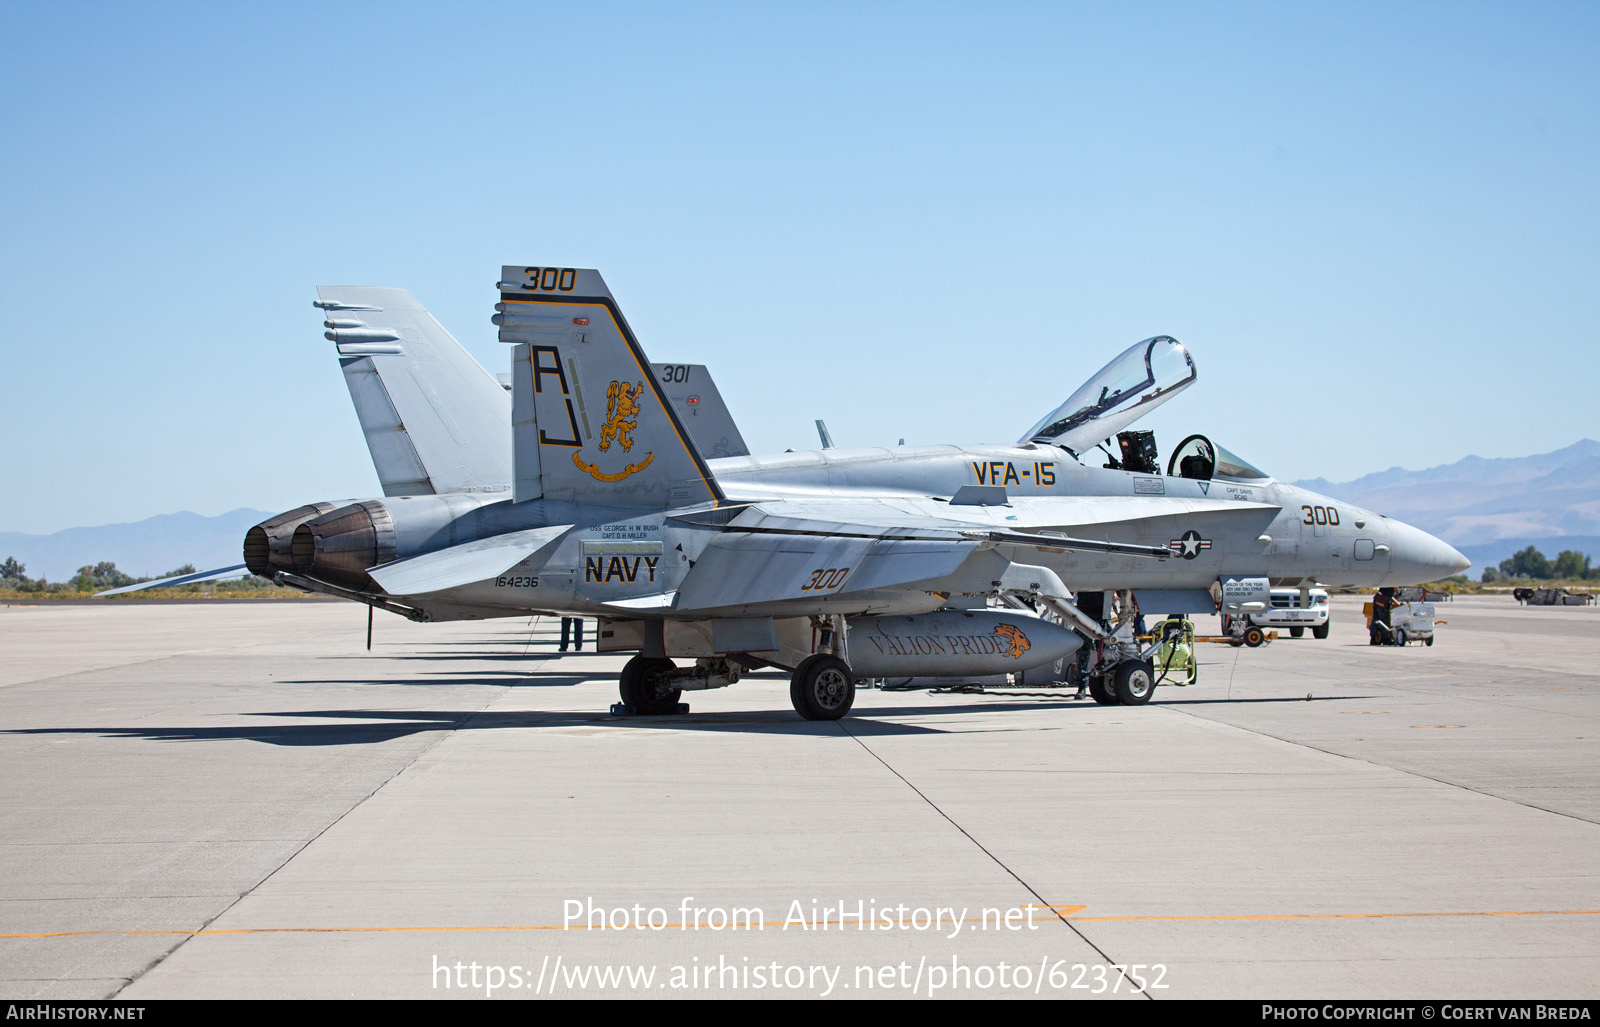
[(928, 221)]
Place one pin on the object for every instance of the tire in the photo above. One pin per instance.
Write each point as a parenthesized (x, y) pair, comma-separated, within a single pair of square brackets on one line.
[(1297, 632), (640, 686), (1399, 637), (1101, 691), (822, 688), (1135, 683), (1236, 642), (1320, 631), (1429, 642), (1254, 637)]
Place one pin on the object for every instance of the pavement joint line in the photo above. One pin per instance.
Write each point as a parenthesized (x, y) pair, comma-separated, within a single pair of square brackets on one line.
[(840, 724), (1385, 766), (439, 737), (1066, 914), (137, 663)]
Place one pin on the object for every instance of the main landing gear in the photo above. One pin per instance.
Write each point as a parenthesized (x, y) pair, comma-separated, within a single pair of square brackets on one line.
[(646, 686), (822, 688)]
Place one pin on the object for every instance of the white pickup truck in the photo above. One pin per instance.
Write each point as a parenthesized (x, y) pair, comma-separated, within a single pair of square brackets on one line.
[(1287, 611)]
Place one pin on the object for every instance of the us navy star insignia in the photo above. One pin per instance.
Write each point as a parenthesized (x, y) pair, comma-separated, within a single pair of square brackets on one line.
[(1189, 545)]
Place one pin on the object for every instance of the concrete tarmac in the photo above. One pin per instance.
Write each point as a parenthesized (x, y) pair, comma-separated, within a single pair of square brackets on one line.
[(240, 801)]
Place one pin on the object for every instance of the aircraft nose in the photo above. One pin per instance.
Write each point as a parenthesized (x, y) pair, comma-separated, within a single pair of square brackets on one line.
[(1417, 557)]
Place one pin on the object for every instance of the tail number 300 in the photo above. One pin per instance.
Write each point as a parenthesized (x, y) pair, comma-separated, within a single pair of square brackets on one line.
[(826, 580)]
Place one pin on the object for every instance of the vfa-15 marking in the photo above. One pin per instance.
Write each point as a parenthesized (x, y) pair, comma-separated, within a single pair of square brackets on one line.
[(1005, 472), (832, 564)]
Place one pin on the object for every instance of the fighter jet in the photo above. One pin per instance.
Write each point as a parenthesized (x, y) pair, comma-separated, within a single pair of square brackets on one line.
[(835, 565)]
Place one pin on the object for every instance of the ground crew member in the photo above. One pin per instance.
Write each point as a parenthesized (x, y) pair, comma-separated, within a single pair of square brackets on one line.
[(1383, 601)]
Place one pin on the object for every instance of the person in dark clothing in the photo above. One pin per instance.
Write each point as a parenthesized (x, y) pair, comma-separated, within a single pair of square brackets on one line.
[(573, 627), (1383, 603)]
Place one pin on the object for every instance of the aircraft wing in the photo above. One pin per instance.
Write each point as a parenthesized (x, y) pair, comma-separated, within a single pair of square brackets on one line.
[(774, 551), (1044, 521), (741, 568)]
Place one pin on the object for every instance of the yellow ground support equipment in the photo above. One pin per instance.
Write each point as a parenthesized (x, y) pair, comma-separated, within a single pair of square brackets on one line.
[(1174, 662)]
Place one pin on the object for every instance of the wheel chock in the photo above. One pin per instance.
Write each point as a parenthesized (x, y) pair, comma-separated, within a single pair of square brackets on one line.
[(621, 709)]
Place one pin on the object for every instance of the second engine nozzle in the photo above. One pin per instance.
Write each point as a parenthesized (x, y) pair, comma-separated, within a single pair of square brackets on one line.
[(266, 546), (339, 546)]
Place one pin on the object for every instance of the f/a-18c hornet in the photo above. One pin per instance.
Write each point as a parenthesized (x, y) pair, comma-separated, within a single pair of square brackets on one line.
[(836, 565)]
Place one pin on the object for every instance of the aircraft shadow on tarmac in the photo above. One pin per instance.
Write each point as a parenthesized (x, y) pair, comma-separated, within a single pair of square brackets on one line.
[(402, 723), (409, 722), (499, 678), (458, 657)]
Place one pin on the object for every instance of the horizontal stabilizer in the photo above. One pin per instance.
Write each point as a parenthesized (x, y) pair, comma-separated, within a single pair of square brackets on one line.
[(657, 601), (179, 579), (463, 564)]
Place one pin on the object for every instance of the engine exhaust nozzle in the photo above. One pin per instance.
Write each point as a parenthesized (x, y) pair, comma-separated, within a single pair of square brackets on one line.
[(339, 546)]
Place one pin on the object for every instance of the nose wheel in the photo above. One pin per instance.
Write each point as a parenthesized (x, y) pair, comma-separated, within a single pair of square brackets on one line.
[(1135, 683), (822, 688), (1100, 690), (1130, 683)]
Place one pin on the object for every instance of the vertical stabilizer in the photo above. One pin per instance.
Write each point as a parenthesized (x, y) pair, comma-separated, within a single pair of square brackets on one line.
[(698, 403), (434, 419), (590, 419)]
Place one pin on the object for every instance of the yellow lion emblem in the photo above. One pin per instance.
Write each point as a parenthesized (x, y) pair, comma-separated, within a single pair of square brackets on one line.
[(1014, 635), (622, 415)]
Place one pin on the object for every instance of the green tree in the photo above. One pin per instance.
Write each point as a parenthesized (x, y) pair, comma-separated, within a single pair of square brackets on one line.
[(1571, 564), (12, 569), (101, 575), (1529, 563), (1490, 575)]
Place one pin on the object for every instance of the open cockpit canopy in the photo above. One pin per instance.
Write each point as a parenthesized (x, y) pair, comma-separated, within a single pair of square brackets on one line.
[(1146, 375)]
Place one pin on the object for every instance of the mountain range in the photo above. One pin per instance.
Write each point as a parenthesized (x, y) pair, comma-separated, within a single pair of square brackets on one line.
[(144, 549), (1488, 509)]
